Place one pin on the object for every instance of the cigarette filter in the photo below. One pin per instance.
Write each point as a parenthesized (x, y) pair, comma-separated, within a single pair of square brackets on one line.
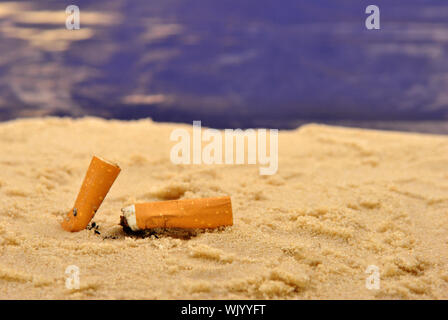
[(99, 178), (186, 214)]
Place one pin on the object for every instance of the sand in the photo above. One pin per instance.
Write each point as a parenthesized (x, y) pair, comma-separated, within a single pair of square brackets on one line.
[(342, 199)]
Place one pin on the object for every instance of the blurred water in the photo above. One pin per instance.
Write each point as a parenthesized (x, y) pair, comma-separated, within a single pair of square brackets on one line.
[(229, 63)]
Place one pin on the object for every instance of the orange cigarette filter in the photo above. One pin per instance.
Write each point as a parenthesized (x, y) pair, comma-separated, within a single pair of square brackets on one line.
[(185, 213), (99, 178)]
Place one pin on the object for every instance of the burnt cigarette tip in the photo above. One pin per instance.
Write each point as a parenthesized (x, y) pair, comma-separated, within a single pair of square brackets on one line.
[(128, 218)]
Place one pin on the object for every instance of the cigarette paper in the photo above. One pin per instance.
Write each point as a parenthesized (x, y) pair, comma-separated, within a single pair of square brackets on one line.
[(185, 213), (99, 178)]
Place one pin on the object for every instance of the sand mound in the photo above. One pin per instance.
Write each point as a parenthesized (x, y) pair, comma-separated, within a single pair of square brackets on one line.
[(343, 199)]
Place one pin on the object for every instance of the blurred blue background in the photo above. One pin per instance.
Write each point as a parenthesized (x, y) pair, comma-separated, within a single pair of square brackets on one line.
[(229, 63)]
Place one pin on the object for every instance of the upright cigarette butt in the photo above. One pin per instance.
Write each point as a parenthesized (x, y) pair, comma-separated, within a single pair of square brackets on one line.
[(186, 213), (99, 178)]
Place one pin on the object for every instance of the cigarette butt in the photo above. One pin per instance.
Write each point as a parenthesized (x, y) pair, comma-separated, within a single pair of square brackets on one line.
[(186, 214), (99, 178)]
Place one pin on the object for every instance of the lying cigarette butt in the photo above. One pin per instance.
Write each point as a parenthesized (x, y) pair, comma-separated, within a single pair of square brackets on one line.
[(99, 178), (186, 213)]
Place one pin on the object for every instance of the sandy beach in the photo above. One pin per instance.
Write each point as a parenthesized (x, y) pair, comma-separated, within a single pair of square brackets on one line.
[(342, 200)]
